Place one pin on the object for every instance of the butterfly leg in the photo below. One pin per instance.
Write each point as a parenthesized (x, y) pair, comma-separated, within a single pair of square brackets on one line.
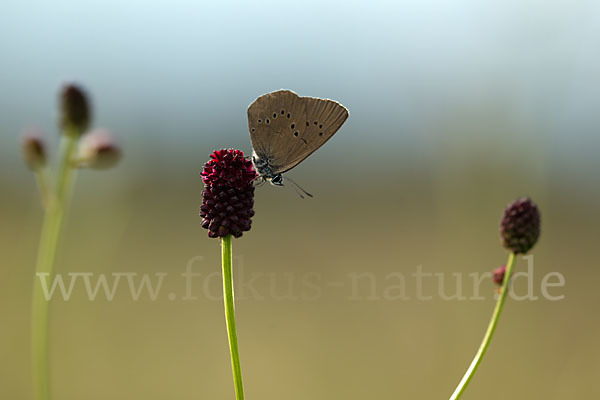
[(259, 181)]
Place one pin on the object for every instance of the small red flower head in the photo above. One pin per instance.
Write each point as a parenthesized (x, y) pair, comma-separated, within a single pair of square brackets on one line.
[(33, 149), (228, 195), (98, 150), (498, 275), (520, 225)]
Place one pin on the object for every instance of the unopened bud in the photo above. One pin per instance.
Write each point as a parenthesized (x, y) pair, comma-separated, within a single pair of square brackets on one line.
[(98, 150), (498, 275), (75, 109), (34, 150)]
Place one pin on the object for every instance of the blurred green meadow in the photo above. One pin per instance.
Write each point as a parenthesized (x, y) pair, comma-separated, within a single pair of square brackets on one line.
[(456, 109)]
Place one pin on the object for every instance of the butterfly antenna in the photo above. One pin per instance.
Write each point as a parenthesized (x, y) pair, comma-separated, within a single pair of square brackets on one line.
[(298, 188)]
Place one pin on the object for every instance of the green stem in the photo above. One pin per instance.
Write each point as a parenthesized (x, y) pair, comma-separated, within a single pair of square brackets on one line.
[(489, 333), (230, 316), (41, 177), (53, 218)]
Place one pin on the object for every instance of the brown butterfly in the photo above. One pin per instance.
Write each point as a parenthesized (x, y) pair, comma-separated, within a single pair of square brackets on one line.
[(286, 128)]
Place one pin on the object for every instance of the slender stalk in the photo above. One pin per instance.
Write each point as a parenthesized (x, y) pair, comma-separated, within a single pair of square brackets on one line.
[(230, 316), (42, 179), (53, 218), (489, 333)]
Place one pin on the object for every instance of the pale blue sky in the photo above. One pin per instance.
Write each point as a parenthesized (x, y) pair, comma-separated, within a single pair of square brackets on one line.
[(411, 72)]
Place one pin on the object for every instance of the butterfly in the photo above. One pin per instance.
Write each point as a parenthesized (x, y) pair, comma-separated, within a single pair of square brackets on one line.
[(286, 128)]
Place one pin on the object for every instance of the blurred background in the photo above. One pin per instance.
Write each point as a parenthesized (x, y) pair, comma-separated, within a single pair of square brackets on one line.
[(456, 108)]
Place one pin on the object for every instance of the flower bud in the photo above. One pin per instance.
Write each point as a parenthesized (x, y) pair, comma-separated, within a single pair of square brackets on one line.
[(498, 275), (33, 149), (75, 109), (228, 196), (520, 226), (98, 150)]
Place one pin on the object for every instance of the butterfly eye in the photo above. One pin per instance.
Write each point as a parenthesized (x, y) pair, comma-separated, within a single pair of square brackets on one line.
[(277, 180)]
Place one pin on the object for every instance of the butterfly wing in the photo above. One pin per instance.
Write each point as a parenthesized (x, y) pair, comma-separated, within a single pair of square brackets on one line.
[(285, 128), (322, 119)]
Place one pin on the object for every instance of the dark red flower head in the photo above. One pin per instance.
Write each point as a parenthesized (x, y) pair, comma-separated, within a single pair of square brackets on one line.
[(228, 195), (520, 226), (228, 168), (75, 109)]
